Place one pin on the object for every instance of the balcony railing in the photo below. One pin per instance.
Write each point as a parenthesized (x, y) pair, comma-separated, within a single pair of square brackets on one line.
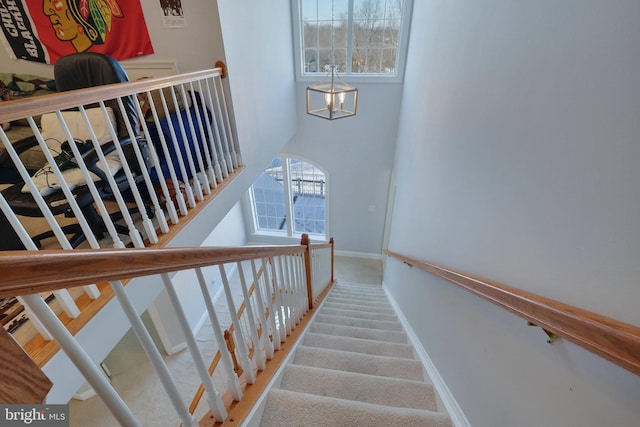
[(88, 176), (267, 306)]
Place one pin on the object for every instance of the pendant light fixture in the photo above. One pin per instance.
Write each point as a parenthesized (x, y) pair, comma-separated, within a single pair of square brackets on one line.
[(332, 98)]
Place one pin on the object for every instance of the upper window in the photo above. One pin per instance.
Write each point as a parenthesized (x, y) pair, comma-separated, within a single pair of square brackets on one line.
[(290, 188), (362, 37)]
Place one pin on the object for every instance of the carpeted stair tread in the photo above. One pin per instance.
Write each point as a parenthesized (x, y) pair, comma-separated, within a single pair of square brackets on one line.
[(358, 286), (358, 345), (354, 367), (355, 307), (357, 332), (286, 408), (359, 295), (359, 387), (360, 302), (361, 323), (359, 314), (353, 301), (360, 363)]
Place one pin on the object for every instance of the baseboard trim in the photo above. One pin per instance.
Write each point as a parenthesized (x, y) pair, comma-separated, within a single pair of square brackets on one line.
[(451, 405), (365, 255), (85, 395)]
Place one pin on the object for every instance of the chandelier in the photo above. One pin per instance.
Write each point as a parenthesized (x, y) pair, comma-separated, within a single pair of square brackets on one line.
[(332, 98)]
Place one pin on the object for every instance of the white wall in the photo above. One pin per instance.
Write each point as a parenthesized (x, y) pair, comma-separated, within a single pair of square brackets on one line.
[(197, 46), (516, 161), (229, 232), (357, 153)]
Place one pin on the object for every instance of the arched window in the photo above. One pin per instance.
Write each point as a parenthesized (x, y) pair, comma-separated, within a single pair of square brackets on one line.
[(290, 188)]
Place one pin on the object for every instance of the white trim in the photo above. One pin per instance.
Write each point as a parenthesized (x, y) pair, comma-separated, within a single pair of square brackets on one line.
[(85, 394), (364, 255), (451, 405), (169, 348), (150, 68)]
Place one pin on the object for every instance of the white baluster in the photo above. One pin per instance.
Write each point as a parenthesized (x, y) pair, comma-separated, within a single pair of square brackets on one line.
[(176, 147), (222, 128), (134, 234), (272, 311), (222, 171), (241, 345), (155, 163), (265, 341), (82, 361), (198, 142), (259, 354), (280, 307), (236, 161), (286, 298), (195, 183), (154, 355), (202, 112), (227, 362), (213, 397), (172, 171)]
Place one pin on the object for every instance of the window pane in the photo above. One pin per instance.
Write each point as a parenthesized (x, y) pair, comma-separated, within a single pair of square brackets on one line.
[(388, 60), (268, 194), (308, 186), (309, 10), (375, 25)]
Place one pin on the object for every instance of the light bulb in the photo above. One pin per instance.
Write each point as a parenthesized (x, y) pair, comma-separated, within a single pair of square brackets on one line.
[(328, 99)]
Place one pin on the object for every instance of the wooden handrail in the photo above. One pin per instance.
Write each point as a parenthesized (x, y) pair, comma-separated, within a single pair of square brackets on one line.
[(28, 272), (28, 384), (18, 109), (611, 339)]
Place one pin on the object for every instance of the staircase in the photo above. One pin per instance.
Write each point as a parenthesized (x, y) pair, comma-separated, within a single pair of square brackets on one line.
[(354, 367)]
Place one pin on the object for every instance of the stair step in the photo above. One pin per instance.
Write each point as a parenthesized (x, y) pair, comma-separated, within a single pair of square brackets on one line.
[(358, 345), (360, 287), (361, 323), (359, 363), (360, 302), (357, 307), (285, 407), (359, 387), (359, 295), (359, 314), (357, 332)]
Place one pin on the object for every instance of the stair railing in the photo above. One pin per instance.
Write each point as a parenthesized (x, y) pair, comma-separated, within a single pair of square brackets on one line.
[(319, 268), (611, 339), (269, 310), (190, 153)]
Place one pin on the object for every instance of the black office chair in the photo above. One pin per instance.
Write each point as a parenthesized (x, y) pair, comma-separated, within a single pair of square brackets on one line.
[(78, 71)]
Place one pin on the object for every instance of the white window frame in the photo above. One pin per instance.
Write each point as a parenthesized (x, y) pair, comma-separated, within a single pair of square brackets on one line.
[(290, 231), (403, 43)]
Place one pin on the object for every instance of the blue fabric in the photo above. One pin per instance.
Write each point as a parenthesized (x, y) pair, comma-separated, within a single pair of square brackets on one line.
[(192, 144)]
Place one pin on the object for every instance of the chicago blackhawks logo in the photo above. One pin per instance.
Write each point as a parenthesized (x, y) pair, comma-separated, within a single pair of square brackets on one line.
[(82, 22)]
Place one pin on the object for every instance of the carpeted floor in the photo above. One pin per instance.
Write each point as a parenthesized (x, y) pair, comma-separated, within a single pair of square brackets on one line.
[(355, 367)]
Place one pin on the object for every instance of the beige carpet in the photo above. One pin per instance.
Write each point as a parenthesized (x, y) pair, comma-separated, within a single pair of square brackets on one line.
[(354, 368)]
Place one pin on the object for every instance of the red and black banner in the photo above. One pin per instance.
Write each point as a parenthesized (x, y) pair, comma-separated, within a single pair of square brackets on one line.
[(45, 30)]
